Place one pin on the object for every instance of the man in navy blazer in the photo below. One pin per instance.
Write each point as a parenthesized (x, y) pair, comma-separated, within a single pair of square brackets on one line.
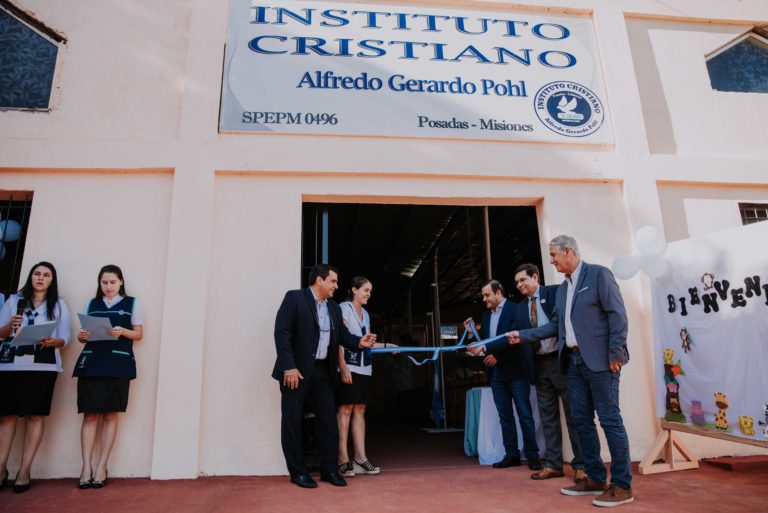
[(308, 331), (551, 384), (590, 323), (511, 371)]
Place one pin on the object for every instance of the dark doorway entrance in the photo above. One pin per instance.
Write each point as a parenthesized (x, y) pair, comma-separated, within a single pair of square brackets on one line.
[(407, 251)]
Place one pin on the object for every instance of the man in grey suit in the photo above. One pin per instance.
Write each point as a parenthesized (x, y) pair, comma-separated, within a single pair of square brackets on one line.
[(590, 323), (551, 385)]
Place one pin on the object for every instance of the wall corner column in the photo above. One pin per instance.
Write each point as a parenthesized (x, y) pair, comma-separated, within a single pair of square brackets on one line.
[(176, 445)]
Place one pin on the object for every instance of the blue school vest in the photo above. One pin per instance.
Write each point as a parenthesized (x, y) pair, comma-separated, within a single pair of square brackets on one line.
[(109, 358)]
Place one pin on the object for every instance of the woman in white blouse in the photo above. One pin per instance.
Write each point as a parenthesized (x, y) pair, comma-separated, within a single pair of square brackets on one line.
[(355, 371), (28, 373)]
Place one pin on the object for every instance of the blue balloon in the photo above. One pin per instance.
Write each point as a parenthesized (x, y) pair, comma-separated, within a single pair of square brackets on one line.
[(9, 231)]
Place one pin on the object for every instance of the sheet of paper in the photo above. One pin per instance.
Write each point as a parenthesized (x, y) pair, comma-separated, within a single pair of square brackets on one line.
[(98, 327), (30, 335)]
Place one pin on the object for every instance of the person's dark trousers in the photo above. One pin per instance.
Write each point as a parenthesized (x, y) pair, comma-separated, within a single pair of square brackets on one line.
[(515, 391), (599, 392), (318, 390), (551, 387)]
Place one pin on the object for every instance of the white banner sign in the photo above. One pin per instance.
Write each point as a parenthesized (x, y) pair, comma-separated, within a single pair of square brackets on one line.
[(386, 70), (711, 332)]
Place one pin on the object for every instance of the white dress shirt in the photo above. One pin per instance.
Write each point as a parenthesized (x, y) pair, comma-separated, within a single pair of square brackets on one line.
[(63, 331), (572, 280), (495, 314), (324, 319)]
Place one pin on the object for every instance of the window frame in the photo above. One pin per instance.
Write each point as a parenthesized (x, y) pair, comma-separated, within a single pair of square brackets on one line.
[(744, 206), (751, 37), (761, 40), (49, 35)]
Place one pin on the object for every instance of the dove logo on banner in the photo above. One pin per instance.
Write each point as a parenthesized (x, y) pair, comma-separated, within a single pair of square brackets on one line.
[(569, 109)]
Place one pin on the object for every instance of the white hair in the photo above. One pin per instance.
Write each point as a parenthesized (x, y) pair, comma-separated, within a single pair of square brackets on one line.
[(561, 242)]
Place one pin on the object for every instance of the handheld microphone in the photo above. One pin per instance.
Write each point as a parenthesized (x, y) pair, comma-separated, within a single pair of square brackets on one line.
[(19, 311)]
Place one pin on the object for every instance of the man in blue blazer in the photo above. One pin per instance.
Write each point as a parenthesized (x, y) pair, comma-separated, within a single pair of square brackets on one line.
[(511, 371), (308, 331), (551, 384), (590, 323)]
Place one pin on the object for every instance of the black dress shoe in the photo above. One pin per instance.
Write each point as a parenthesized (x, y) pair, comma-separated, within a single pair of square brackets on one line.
[(21, 488), (534, 465), (100, 484), (84, 485), (507, 462), (334, 478), (304, 481)]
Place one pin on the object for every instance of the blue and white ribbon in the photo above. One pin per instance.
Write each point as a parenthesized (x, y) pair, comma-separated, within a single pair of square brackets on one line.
[(437, 350)]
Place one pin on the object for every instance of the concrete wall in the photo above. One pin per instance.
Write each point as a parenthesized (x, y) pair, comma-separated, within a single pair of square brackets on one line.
[(690, 210), (217, 217), (683, 114), (80, 222)]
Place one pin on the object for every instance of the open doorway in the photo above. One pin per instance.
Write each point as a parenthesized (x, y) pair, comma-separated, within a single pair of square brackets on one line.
[(417, 257)]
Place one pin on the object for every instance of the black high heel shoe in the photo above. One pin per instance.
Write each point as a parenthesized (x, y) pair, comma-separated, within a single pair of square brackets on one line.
[(4, 482), (100, 484), (21, 488), (84, 485)]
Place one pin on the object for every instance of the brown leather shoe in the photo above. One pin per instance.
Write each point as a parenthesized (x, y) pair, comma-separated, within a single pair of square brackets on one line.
[(579, 476), (547, 473), (586, 487), (614, 496)]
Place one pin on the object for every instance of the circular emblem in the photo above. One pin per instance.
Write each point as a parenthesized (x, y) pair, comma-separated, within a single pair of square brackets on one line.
[(121, 312), (569, 109)]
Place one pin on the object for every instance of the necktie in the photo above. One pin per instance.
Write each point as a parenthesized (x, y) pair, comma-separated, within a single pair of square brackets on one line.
[(535, 323), (31, 316)]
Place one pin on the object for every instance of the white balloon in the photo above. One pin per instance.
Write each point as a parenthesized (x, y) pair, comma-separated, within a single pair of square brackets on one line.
[(650, 241), (625, 267), (9, 230), (654, 266), (2, 251)]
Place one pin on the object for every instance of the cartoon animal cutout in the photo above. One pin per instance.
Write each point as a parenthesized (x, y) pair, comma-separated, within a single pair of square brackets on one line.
[(721, 419), (697, 413), (746, 425), (764, 424), (671, 371)]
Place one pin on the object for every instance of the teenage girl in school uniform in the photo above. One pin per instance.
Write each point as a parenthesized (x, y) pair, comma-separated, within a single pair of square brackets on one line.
[(28, 373), (104, 370)]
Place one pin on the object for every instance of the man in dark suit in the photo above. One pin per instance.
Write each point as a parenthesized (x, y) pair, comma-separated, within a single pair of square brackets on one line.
[(551, 385), (308, 331), (511, 371), (590, 323)]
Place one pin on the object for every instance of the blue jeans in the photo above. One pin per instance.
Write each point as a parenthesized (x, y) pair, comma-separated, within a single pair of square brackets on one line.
[(518, 391), (599, 392)]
